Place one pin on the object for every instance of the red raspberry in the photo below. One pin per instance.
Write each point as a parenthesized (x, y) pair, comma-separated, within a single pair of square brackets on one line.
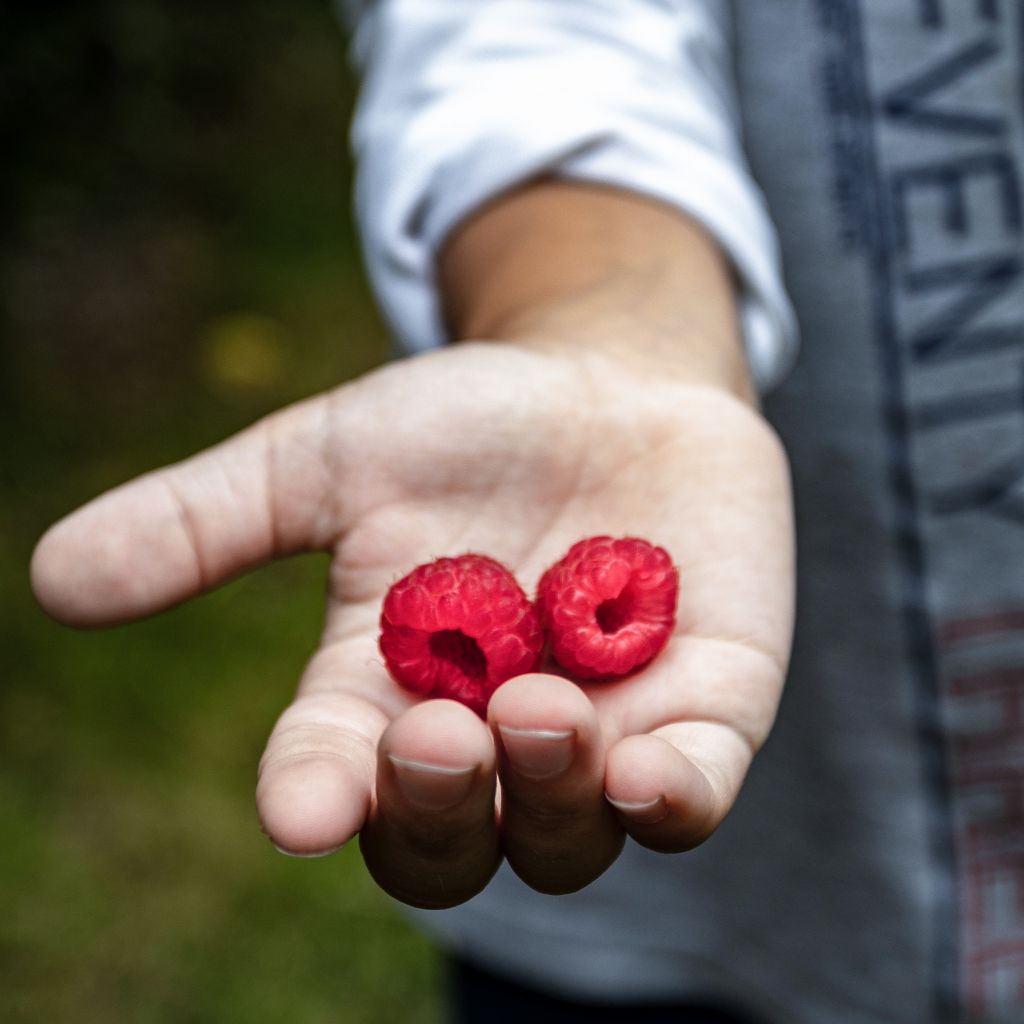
[(459, 628), (608, 606)]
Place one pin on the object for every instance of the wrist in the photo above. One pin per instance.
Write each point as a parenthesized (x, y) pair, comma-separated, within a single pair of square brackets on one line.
[(629, 340), (590, 270)]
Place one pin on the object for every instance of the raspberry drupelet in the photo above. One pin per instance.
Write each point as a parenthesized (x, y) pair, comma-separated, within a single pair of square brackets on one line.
[(459, 628), (608, 606)]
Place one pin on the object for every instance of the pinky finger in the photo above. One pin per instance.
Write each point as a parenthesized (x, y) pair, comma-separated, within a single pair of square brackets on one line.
[(673, 787)]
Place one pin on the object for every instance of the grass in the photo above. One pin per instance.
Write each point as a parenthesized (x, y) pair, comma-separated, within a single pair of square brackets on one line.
[(182, 260), (138, 885)]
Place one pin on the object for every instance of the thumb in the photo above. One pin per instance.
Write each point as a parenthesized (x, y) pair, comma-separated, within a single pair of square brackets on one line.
[(184, 529)]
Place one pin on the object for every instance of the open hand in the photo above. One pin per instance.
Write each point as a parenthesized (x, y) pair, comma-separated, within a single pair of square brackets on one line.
[(515, 452)]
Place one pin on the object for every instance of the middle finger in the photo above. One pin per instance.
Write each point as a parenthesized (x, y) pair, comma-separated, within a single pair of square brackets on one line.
[(558, 831), (431, 839)]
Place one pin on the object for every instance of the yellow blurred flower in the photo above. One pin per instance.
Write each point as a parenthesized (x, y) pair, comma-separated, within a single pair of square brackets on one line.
[(244, 352)]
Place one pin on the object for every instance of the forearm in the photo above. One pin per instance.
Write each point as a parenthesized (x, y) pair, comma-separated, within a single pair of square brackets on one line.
[(602, 268)]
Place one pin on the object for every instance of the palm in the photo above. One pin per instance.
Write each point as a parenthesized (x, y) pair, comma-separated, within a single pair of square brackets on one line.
[(515, 454)]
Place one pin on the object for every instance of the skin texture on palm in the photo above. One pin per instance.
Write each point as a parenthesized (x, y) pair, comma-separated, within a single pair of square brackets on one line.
[(515, 450)]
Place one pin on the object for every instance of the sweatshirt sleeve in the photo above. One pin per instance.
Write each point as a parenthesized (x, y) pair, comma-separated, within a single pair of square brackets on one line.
[(463, 99)]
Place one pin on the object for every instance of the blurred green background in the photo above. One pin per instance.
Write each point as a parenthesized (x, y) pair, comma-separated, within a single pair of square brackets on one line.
[(178, 258)]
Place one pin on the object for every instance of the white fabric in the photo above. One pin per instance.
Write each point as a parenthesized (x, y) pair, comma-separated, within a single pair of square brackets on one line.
[(463, 99)]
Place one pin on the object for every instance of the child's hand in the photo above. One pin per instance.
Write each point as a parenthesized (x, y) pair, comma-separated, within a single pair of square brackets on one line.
[(515, 452)]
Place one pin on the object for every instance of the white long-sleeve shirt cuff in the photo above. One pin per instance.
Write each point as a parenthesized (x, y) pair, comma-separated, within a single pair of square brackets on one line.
[(464, 99)]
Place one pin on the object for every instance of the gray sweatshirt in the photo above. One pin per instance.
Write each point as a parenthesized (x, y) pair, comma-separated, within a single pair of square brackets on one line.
[(873, 868)]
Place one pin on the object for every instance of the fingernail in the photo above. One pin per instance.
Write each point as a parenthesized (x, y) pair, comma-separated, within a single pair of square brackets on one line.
[(306, 855), (538, 753), (433, 786), (644, 813)]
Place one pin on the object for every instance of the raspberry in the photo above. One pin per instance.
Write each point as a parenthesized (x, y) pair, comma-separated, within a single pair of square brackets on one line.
[(459, 628), (608, 606)]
